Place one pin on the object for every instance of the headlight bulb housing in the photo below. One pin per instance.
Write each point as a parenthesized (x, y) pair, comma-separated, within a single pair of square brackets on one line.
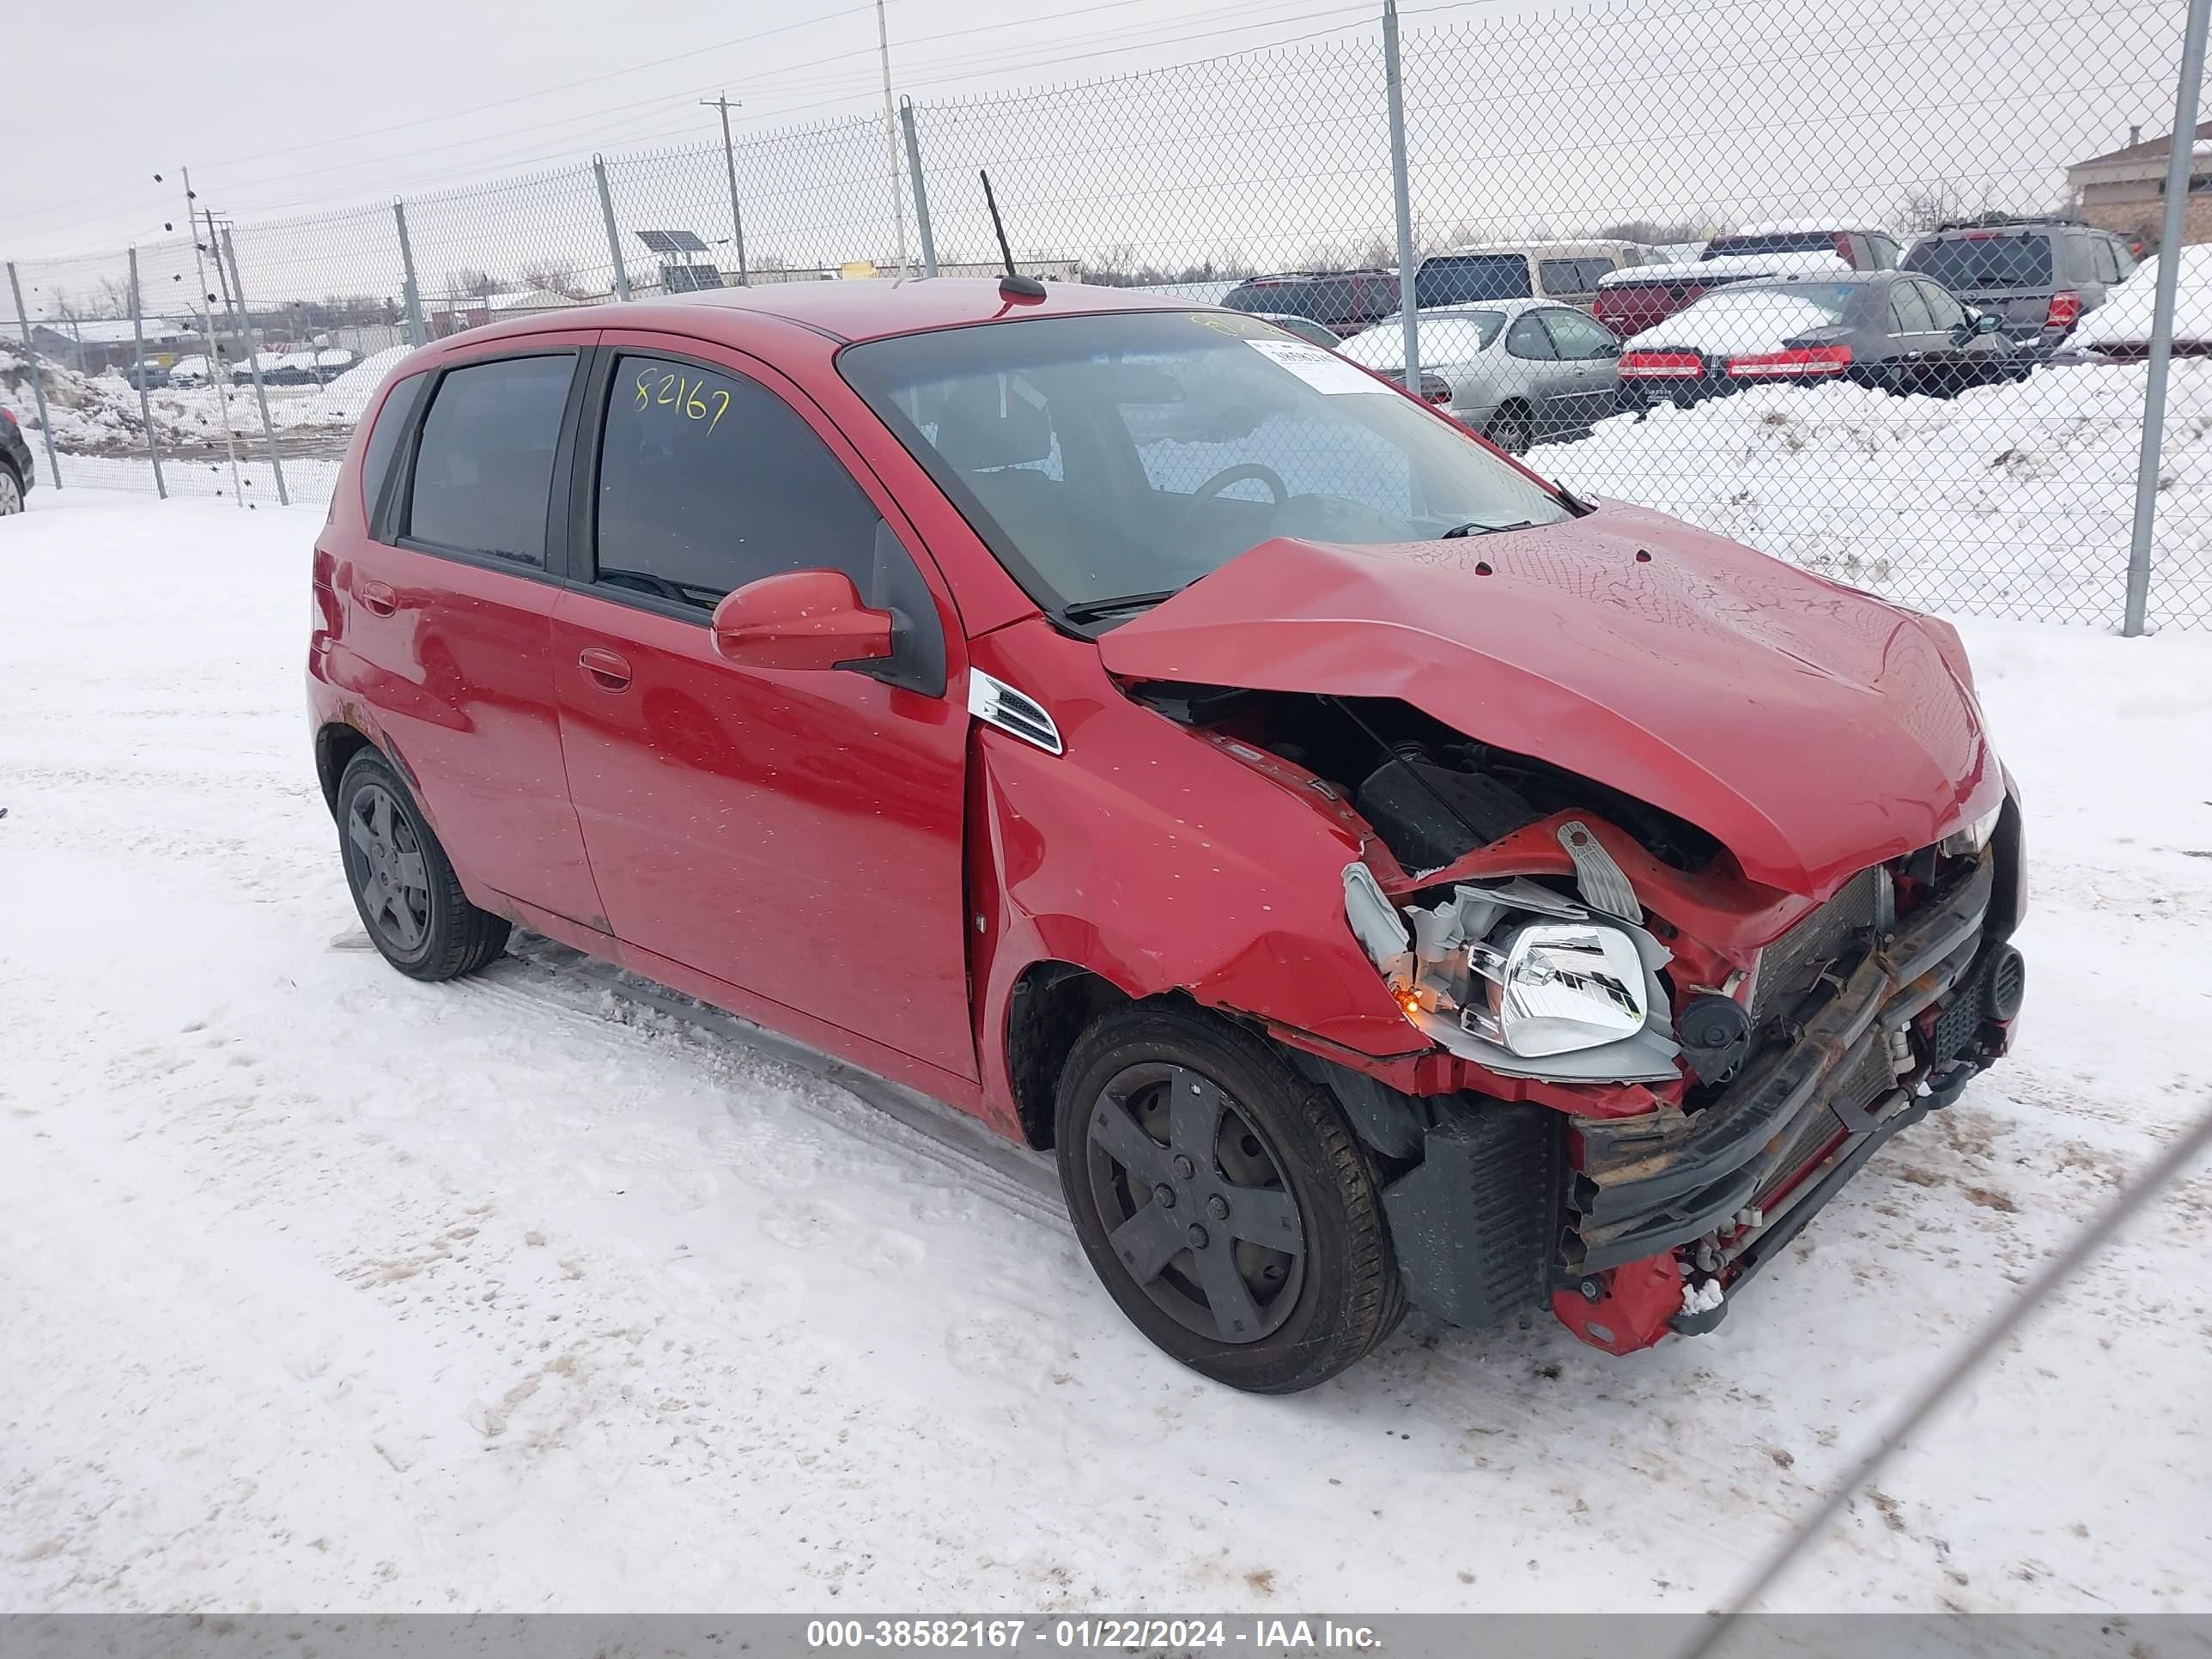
[(1551, 987)]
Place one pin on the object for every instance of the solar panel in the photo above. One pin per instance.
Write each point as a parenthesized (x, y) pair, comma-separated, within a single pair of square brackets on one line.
[(689, 279), (670, 241)]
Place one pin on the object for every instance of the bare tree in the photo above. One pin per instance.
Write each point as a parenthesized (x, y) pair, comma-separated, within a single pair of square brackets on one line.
[(1925, 207), (553, 273)]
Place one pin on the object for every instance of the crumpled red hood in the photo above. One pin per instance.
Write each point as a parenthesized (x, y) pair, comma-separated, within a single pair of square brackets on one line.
[(1811, 729)]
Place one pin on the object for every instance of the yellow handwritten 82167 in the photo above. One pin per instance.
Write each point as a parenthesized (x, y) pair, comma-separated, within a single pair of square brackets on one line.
[(678, 393)]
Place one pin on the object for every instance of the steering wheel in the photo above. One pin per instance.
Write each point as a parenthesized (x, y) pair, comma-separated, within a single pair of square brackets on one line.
[(1221, 481)]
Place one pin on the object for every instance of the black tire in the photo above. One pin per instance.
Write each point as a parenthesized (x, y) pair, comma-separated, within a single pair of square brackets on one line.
[(1512, 430), (402, 885), (1336, 1288), (11, 491)]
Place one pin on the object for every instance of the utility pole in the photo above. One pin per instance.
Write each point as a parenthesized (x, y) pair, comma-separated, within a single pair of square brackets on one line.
[(890, 134), (221, 388), (730, 161)]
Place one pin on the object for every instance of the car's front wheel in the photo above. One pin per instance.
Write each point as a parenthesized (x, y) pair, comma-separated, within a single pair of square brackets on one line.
[(404, 887), (1223, 1200), (11, 491)]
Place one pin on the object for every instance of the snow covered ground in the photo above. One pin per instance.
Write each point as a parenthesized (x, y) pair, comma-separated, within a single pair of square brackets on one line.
[(2006, 501), (323, 1289)]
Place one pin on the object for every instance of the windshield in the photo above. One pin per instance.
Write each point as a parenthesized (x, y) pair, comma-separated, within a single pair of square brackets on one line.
[(1979, 260), (1129, 454), (1445, 336)]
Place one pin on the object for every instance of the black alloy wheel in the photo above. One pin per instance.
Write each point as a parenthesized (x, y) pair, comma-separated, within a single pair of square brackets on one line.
[(402, 885), (1197, 1210), (1223, 1198)]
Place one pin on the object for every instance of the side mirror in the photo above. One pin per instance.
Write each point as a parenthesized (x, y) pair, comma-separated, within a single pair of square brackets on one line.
[(1987, 322), (801, 619)]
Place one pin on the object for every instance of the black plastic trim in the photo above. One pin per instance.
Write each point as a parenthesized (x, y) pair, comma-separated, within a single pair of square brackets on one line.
[(1648, 1183)]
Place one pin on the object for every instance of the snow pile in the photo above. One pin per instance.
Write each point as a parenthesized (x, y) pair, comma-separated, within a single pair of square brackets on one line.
[(2012, 500), (88, 413), (1738, 319), (346, 397), (98, 415), (2124, 320)]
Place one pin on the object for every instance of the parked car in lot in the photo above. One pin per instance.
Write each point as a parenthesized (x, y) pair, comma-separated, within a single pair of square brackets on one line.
[(1890, 330), (1567, 272), (1305, 328), (16, 470), (1861, 246), (1342, 301), (1630, 300), (2039, 277), (1378, 877), (1520, 372), (149, 377), (191, 371)]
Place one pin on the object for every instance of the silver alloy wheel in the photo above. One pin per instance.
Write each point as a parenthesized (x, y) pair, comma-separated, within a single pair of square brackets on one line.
[(11, 494)]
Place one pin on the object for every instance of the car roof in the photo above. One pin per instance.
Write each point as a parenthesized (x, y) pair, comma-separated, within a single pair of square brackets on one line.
[(861, 309), (1540, 247)]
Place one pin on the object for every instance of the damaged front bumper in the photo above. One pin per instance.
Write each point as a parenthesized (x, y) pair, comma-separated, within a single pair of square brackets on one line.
[(1730, 1186)]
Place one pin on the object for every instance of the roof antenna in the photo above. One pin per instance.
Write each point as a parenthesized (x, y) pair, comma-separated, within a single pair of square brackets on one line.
[(1013, 284)]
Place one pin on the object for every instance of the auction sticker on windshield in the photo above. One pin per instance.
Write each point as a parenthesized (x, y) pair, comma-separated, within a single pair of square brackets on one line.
[(1324, 371)]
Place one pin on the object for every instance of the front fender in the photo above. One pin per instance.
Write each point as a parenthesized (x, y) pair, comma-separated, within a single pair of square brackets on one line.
[(1150, 855)]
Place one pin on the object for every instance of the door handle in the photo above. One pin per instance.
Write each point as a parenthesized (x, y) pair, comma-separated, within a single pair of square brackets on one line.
[(609, 670), (378, 598)]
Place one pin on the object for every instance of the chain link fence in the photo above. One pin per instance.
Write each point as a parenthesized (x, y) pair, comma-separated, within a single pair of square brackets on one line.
[(1867, 285)]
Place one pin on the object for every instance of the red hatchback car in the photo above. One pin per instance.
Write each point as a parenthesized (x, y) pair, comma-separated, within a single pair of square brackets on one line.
[(1381, 878)]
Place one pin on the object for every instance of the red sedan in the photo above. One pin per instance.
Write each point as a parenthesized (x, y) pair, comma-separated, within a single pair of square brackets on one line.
[(1379, 876)]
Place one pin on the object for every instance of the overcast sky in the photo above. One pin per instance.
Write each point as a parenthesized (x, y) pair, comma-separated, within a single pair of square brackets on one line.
[(1524, 118), (278, 105)]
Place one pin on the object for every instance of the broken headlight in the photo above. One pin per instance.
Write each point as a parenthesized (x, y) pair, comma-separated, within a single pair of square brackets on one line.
[(1550, 988), (1969, 841)]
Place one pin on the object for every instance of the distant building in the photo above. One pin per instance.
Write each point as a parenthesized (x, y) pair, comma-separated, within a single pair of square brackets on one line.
[(2124, 190), (90, 344)]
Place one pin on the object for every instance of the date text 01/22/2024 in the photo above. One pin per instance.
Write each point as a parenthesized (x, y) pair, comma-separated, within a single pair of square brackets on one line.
[(1106, 1634)]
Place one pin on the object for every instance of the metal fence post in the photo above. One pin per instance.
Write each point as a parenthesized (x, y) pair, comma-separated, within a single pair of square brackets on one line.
[(38, 380), (1401, 194), (614, 237), (920, 193), (138, 374), (253, 364), (418, 335), (2180, 151)]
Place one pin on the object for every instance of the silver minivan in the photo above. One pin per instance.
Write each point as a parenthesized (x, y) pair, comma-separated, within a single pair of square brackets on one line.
[(1566, 272), (1519, 372)]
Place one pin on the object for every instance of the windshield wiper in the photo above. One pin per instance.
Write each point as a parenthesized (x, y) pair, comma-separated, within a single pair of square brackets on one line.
[(1083, 611), (1475, 527)]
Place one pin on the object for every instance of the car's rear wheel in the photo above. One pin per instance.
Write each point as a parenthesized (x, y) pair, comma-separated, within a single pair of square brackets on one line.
[(1512, 431), (1223, 1200), (11, 491), (402, 885)]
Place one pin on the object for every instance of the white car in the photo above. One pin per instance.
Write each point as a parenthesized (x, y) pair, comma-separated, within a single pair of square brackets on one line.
[(1519, 372)]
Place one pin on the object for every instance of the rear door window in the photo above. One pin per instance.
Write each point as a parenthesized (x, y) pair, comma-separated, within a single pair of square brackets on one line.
[(383, 444), (2107, 264), (1908, 312), (484, 469), (1528, 338), (1566, 276), (1456, 278), (708, 481)]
